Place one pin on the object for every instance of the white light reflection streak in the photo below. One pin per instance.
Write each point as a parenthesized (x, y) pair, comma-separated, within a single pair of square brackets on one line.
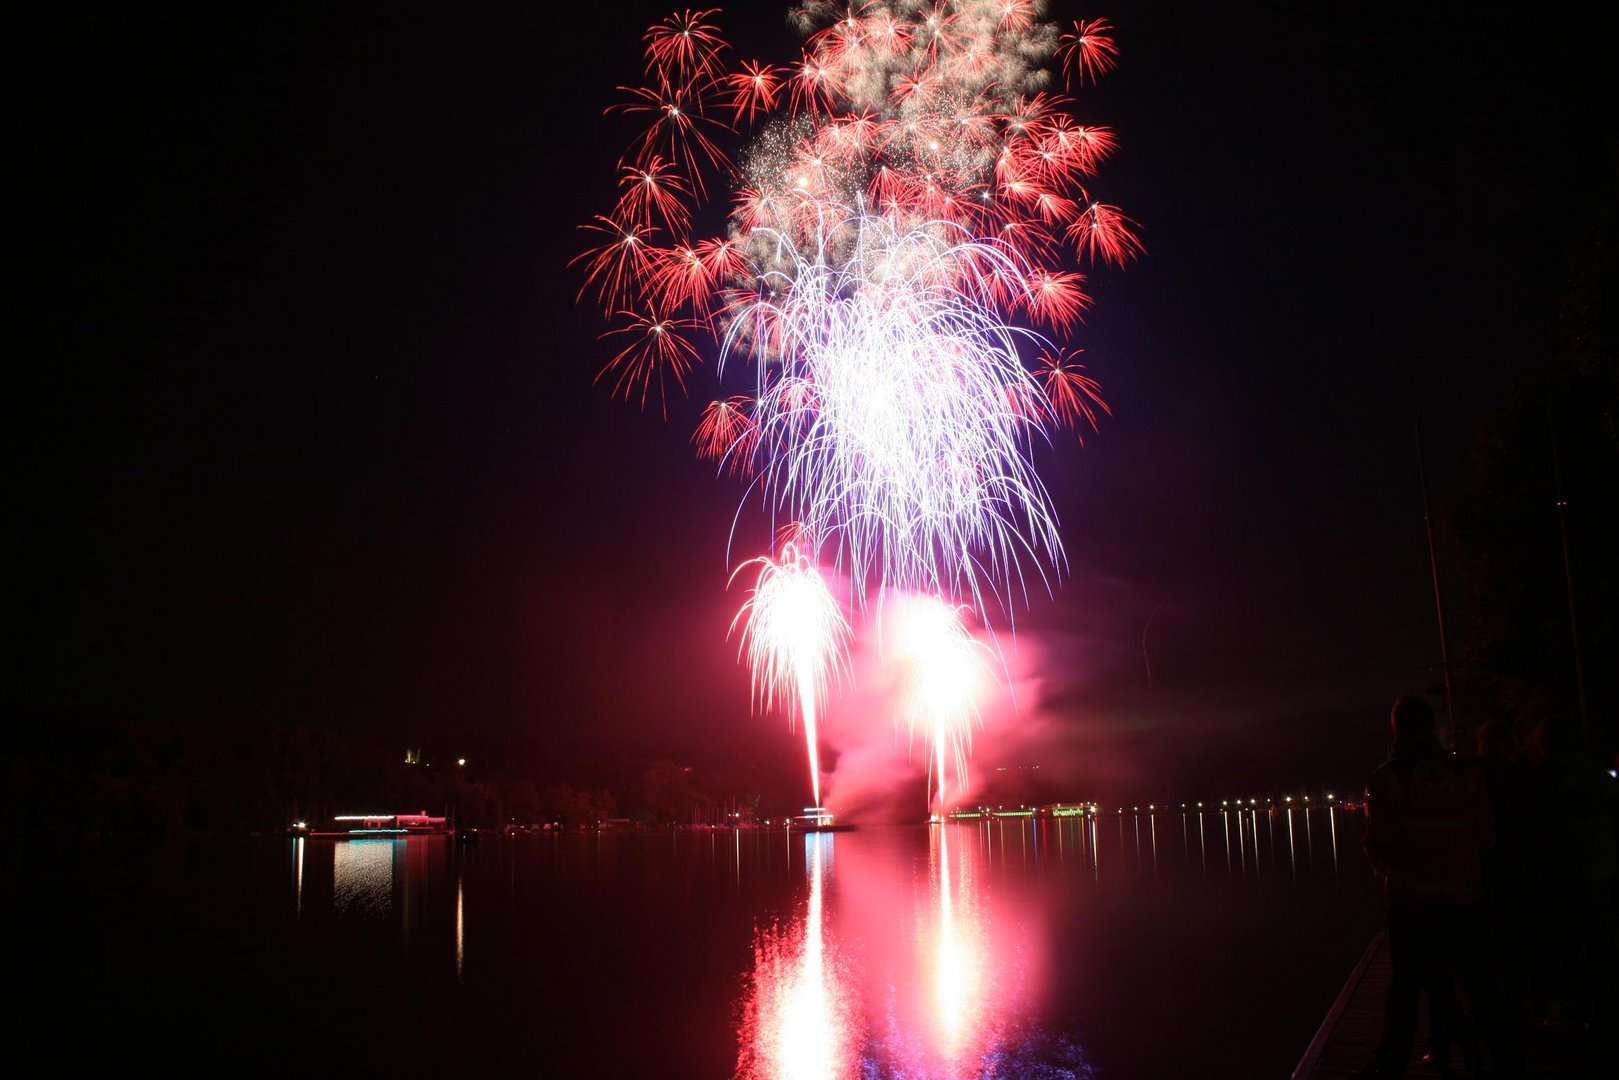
[(800, 1023), (957, 965), (1202, 847), (460, 926), (1332, 822), (1292, 858), (362, 875), (1225, 823), (1255, 815), (298, 873), (807, 1048)]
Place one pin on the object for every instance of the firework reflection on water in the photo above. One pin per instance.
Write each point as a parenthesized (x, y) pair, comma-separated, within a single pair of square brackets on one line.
[(946, 981)]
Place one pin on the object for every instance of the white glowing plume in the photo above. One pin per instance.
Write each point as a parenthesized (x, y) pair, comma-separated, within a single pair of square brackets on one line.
[(796, 640), (943, 669), (896, 413)]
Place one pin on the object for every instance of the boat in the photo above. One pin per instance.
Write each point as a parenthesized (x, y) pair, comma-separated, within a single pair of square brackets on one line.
[(816, 819), (363, 825)]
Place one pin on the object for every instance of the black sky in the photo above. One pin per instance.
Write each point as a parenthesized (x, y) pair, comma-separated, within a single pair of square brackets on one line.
[(309, 432)]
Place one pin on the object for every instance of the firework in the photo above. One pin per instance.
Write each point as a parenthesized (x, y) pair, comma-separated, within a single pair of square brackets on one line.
[(944, 668), (887, 424), (908, 192), (910, 203), (795, 639)]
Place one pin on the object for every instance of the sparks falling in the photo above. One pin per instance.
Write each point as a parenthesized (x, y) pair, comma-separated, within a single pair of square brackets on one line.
[(911, 195), (796, 641)]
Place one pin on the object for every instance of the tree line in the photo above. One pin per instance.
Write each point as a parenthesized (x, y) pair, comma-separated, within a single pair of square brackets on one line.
[(174, 778)]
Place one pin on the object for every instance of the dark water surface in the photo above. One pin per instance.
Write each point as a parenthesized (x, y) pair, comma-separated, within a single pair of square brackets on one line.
[(1115, 948)]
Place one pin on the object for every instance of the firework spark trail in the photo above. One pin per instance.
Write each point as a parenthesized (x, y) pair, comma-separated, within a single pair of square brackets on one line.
[(891, 423), (944, 669), (905, 190), (795, 638)]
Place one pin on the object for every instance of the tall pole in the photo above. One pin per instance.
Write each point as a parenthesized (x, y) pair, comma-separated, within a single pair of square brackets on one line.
[(1568, 577), (1433, 569)]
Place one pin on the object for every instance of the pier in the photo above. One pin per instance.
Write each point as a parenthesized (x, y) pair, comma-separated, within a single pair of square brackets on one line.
[(1349, 1033)]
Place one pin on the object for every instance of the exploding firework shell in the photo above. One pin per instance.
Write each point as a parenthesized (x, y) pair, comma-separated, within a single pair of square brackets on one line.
[(907, 193), (889, 424)]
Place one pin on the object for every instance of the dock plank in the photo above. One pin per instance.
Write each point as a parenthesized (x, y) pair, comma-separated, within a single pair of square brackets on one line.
[(1352, 1028)]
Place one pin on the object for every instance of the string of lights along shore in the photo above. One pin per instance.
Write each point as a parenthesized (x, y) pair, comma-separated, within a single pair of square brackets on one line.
[(885, 321)]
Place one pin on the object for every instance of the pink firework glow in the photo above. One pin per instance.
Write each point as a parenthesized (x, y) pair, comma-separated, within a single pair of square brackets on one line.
[(944, 671), (801, 1021), (948, 975), (796, 640)]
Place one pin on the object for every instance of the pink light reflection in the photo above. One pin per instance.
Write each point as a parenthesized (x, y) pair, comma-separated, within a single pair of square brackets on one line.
[(801, 1020), (959, 982), (957, 934), (949, 971)]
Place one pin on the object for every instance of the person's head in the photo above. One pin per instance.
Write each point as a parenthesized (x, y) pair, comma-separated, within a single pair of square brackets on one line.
[(1412, 719)]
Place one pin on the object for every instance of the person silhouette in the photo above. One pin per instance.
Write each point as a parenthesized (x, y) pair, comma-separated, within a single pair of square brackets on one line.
[(1428, 825)]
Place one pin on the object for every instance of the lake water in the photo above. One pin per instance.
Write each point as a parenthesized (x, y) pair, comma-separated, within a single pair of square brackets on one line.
[(1121, 947)]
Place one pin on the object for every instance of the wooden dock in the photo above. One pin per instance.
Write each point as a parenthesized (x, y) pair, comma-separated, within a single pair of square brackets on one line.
[(1349, 1034)]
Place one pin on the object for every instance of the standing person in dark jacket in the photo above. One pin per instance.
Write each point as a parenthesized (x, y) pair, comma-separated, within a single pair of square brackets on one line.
[(1428, 824)]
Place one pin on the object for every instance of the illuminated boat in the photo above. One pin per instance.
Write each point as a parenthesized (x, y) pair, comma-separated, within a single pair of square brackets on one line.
[(816, 819), (362, 825)]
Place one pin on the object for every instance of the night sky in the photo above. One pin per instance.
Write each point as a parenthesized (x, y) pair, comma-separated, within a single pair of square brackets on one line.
[(309, 431)]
